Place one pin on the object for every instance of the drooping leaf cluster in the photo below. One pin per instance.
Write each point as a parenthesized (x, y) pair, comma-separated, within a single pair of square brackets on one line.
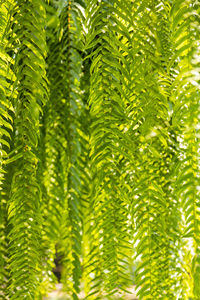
[(99, 148)]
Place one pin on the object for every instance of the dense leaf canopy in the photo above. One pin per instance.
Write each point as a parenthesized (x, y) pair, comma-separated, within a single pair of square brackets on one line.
[(99, 148)]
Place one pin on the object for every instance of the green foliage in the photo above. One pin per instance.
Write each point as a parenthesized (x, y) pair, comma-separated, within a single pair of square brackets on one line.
[(99, 148)]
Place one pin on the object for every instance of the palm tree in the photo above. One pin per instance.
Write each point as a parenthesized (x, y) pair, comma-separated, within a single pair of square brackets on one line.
[(99, 145)]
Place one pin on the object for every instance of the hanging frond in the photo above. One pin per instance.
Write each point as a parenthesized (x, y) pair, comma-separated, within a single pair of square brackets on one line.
[(99, 148), (24, 215), (71, 46), (109, 226), (185, 118), (6, 131), (155, 158), (62, 123)]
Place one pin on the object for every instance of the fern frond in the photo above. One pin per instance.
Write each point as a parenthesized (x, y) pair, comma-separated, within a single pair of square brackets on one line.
[(6, 134), (99, 148), (186, 119), (74, 106), (148, 125), (107, 259), (63, 142), (24, 215)]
